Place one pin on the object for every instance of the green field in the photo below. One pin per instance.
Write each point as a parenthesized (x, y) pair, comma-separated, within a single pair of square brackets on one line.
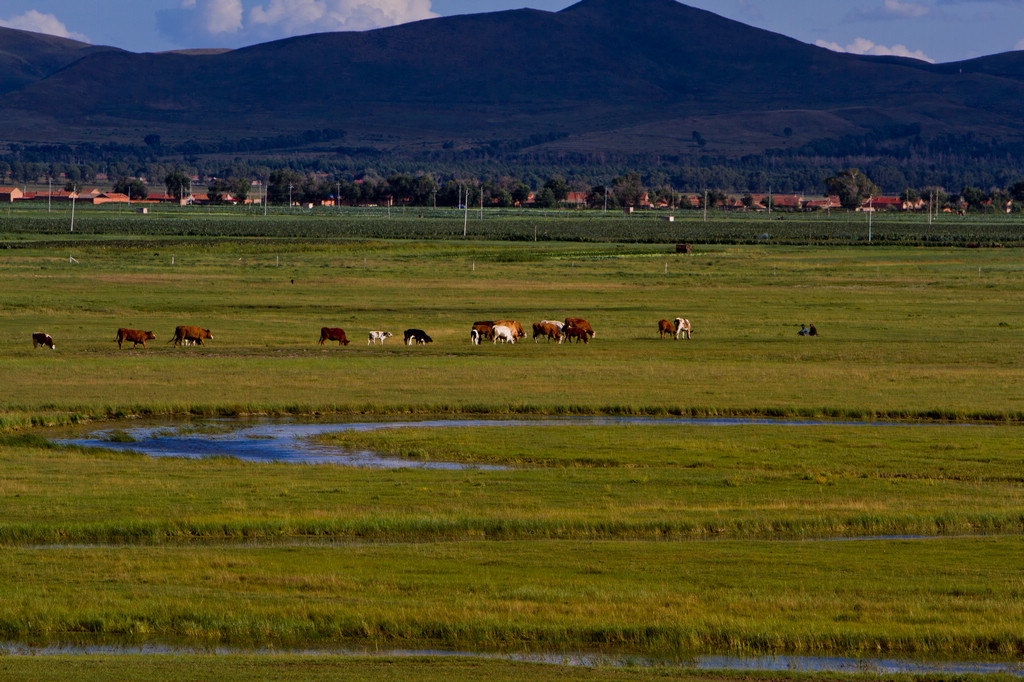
[(651, 540)]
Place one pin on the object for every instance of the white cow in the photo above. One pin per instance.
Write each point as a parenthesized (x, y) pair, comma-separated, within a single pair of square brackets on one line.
[(504, 333), (682, 326), (378, 336), (560, 325)]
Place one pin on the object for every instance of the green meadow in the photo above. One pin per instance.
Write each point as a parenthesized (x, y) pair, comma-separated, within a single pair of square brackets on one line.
[(895, 533)]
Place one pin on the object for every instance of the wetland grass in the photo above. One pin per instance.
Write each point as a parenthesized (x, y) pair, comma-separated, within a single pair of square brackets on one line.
[(949, 598), (646, 540)]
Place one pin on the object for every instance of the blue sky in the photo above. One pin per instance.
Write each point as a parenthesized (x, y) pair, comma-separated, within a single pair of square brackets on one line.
[(936, 30)]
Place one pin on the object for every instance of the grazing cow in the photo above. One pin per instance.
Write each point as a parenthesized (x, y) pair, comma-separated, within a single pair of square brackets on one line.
[(558, 324), (666, 327), (188, 335), (416, 336), (517, 329), (378, 336), (136, 336), (474, 337), (484, 328), (42, 339), (580, 323), (546, 329), (504, 334), (578, 333), (333, 334), (682, 327)]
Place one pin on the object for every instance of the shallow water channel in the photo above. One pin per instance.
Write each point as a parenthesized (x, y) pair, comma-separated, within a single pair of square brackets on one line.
[(286, 440), (830, 664)]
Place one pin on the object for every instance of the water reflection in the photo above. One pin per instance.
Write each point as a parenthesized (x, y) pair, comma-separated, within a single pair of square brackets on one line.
[(284, 440), (830, 664)]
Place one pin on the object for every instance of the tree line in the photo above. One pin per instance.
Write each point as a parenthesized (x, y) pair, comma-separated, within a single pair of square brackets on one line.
[(304, 181)]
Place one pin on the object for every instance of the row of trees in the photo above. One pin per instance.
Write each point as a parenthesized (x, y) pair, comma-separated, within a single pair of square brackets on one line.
[(854, 188), (284, 185)]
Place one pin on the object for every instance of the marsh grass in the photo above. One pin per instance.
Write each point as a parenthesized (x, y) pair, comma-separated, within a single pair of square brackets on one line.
[(952, 597), (643, 481), (590, 540)]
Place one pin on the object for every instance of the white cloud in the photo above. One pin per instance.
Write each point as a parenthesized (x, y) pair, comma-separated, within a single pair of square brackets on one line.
[(1019, 45), (865, 46), (218, 16), (38, 22), (889, 10), (293, 17), (910, 10)]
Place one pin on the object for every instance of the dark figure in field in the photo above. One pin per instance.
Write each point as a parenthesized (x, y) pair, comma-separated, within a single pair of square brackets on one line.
[(42, 339), (413, 336), (813, 331)]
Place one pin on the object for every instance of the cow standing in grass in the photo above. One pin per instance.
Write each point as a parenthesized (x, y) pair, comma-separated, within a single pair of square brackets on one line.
[(136, 336), (333, 334), (517, 329), (416, 336), (580, 323), (682, 326), (42, 339), (577, 333), (186, 335), (548, 330), (485, 328), (504, 334)]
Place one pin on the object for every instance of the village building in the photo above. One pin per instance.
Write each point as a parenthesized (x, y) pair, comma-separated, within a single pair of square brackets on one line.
[(10, 194)]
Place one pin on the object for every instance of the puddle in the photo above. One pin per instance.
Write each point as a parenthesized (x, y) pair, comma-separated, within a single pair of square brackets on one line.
[(284, 440), (830, 664)]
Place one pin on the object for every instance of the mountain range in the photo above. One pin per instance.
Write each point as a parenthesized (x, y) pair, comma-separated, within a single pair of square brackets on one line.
[(599, 77)]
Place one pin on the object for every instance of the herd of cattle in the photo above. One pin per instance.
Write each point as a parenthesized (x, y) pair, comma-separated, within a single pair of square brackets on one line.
[(507, 331)]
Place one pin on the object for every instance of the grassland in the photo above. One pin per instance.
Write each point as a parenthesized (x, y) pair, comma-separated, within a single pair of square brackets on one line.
[(658, 539)]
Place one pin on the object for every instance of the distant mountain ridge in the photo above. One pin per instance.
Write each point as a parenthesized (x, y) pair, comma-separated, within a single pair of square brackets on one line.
[(644, 76)]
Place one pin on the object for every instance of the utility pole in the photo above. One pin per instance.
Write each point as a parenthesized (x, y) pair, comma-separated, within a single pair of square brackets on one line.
[(870, 211)]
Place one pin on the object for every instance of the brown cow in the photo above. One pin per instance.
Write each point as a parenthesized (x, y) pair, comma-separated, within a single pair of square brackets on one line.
[(578, 333), (136, 336), (546, 329), (517, 329), (42, 339), (333, 334), (580, 323), (485, 328), (188, 335), (666, 327)]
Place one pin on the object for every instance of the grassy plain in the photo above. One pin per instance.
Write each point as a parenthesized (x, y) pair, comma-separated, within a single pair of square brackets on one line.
[(649, 539)]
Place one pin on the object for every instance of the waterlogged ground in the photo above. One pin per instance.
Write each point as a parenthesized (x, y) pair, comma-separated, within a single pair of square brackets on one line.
[(296, 442), (807, 664)]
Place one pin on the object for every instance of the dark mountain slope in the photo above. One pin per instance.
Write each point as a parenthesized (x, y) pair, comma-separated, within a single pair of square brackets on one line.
[(637, 76), (26, 57)]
